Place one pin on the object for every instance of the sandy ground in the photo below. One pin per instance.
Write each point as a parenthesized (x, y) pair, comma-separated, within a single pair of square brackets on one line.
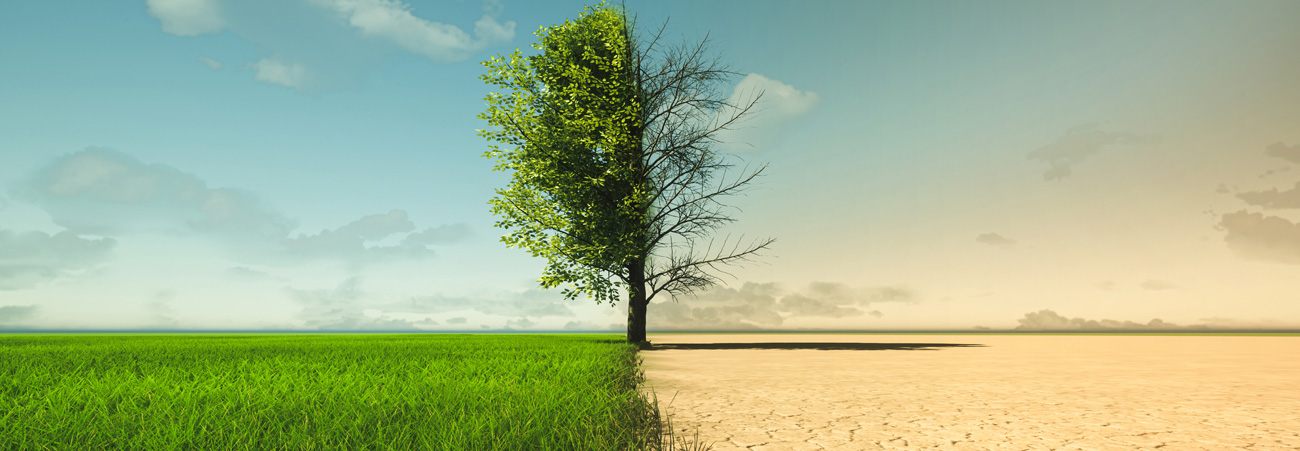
[(997, 392)]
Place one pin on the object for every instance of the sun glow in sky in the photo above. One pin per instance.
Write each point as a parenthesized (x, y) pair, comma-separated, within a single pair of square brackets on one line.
[(314, 165)]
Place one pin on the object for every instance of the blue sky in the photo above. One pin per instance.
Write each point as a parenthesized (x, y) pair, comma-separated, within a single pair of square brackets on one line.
[(314, 164)]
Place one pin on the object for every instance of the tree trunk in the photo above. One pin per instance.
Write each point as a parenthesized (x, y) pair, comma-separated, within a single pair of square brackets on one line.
[(636, 305)]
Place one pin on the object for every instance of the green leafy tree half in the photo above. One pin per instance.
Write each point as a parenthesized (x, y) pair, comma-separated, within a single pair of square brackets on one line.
[(613, 179)]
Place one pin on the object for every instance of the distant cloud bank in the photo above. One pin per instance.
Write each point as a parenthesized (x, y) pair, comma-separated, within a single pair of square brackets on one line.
[(756, 306), (1047, 320), (1050, 321)]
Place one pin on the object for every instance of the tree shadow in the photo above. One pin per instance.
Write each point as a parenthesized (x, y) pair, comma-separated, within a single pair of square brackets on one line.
[(816, 346)]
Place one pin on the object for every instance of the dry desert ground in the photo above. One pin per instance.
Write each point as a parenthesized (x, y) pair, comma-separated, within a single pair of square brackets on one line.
[(979, 392)]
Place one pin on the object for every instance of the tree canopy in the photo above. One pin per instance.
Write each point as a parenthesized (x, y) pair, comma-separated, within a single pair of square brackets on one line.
[(609, 163)]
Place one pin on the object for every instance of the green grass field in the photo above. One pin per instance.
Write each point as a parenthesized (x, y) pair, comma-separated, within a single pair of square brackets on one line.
[(323, 392)]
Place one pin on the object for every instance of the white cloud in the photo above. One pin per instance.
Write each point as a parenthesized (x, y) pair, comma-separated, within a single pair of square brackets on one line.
[(779, 104), (393, 21), (314, 46), (211, 63), (276, 72), (490, 32), (317, 46), (187, 17)]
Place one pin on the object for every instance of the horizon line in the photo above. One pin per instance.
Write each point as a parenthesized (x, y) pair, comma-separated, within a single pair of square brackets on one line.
[(690, 331)]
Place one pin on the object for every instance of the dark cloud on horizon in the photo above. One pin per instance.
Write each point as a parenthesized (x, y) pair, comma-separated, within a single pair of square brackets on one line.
[(994, 239), (1050, 321), (754, 306), (1078, 144), (30, 259), (1047, 320)]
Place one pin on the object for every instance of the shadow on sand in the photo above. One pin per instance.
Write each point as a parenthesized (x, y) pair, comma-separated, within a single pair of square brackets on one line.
[(815, 346)]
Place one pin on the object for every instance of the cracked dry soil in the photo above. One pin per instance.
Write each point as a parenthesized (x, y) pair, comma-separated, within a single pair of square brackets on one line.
[(979, 392)]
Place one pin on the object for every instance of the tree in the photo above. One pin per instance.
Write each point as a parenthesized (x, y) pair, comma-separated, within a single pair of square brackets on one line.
[(613, 178)]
